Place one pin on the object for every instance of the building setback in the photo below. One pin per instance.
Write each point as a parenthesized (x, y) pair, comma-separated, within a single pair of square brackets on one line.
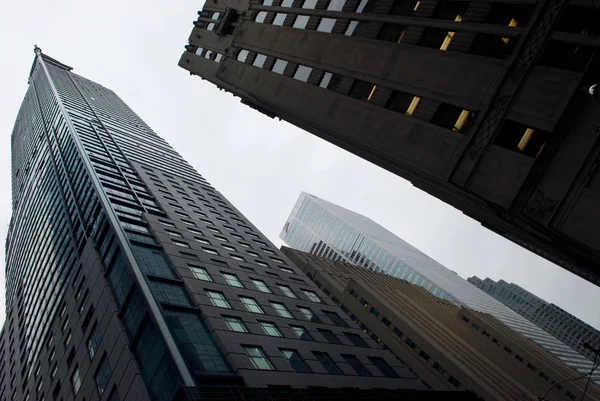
[(448, 346), (129, 277), (325, 229), (479, 103), (561, 324)]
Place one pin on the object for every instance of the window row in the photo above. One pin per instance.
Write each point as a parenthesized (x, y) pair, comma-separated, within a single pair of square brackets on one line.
[(261, 361), (446, 116), (209, 54)]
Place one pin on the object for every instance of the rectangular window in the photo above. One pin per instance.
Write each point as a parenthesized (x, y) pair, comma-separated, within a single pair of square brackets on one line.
[(520, 138), (327, 363), (302, 73), (181, 244), (451, 117), (309, 315), (295, 360), (300, 22), (258, 358), (326, 25), (93, 341), (252, 305), (356, 340), (210, 251), (356, 365), (329, 336), (391, 32), (235, 324), (281, 310), (261, 286), (232, 280), (362, 90), (287, 291), (301, 333), (259, 61), (312, 296), (174, 233), (202, 241), (335, 319), (76, 380), (383, 367), (336, 5), (259, 18), (402, 102), (218, 299), (351, 28), (270, 329), (237, 257), (102, 375), (309, 4), (200, 273), (279, 19)]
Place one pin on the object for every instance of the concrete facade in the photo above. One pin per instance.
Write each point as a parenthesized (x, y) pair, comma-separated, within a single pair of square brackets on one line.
[(477, 103), (555, 320), (448, 346)]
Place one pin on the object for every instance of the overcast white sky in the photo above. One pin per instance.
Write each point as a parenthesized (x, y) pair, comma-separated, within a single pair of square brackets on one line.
[(259, 164)]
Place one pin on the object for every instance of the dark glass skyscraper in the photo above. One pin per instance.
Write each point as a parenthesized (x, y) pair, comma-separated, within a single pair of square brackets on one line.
[(130, 278)]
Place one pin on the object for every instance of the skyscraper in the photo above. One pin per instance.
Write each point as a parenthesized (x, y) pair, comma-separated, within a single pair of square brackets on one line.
[(449, 347), (129, 277), (324, 229), (553, 319), (479, 103)]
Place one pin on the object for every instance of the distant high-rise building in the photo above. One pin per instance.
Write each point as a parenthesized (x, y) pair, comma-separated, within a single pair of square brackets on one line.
[(128, 277), (447, 346), (561, 324), (328, 230), (480, 103)]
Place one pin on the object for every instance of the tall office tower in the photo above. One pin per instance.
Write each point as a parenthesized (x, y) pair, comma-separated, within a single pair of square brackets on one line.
[(479, 103), (324, 229), (561, 324), (449, 347), (129, 277)]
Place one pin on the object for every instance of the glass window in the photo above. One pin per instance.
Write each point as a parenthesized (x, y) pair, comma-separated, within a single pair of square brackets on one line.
[(241, 56), (232, 280), (202, 241), (267, 2), (76, 380), (252, 305), (199, 53), (270, 329), (173, 233), (102, 375), (281, 310), (361, 6), (208, 54), (351, 28), (326, 25), (235, 324), (215, 15), (210, 26), (287, 291), (218, 57), (309, 315), (356, 365), (259, 60), (287, 3), (327, 363), (170, 293), (237, 257), (301, 333), (335, 318), (211, 251), (383, 366), (285, 269), (218, 299), (356, 340), (261, 286), (279, 66), (309, 4), (312, 296), (301, 21), (325, 80), (93, 341), (302, 73), (336, 5), (279, 19), (329, 336), (258, 358), (295, 360)]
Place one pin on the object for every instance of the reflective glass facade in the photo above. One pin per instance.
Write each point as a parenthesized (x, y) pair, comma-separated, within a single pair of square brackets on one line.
[(328, 230), (101, 300)]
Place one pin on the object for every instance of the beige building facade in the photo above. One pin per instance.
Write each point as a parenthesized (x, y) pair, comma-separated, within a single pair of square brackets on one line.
[(449, 347)]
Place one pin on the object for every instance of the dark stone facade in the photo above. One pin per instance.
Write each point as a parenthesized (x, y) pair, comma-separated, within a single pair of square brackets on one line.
[(501, 129)]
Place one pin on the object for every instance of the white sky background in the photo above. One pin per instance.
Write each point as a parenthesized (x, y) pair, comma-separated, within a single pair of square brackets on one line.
[(259, 164)]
